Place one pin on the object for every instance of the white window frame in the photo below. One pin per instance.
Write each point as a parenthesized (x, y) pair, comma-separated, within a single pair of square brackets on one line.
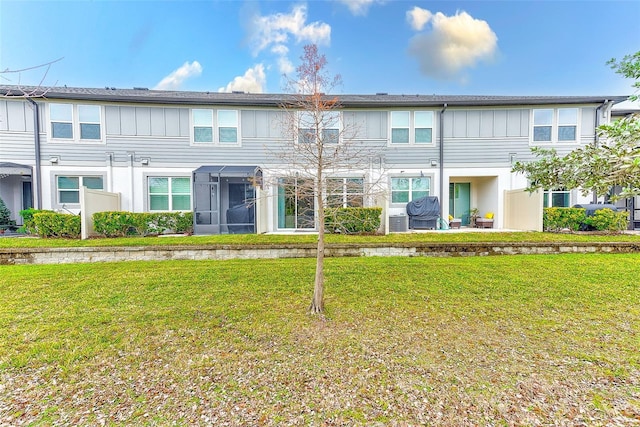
[(76, 124), (411, 190), (344, 191), (411, 127), (216, 119), (81, 179), (169, 193), (556, 124)]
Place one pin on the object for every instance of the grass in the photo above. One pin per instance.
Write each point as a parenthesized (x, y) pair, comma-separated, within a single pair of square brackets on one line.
[(518, 340), (267, 239)]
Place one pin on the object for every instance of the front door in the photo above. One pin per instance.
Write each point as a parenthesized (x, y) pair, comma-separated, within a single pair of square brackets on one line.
[(460, 201), (206, 208)]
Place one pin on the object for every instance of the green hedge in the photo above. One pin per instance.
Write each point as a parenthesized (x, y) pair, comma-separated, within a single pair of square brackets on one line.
[(28, 225), (574, 219), (119, 224), (52, 224), (352, 220), (608, 220), (556, 219)]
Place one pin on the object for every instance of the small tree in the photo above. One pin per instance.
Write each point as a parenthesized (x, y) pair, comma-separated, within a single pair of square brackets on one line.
[(5, 213), (320, 146)]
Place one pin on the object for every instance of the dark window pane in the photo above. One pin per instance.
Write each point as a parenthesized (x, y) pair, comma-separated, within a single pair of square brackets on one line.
[(399, 196), (69, 196), (423, 135), (400, 136), (542, 133), (159, 203), (89, 131), (93, 182), (181, 203), (306, 136), (330, 136), (68, 182), (560, 200), (566, 133), (203, 134), (61, 130), (228, 134)]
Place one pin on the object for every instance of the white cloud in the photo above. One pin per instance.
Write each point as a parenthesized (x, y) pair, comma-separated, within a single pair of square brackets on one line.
[(359, 7), (452, 44), (418, 17), (278, 28), (285, 66), (174, 80), (253, 81)]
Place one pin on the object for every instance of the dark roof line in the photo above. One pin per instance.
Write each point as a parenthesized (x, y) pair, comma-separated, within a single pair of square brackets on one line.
[(144, 95)]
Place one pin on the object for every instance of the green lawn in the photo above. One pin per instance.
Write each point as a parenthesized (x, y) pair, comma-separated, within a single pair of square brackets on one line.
[(267, 239), (517, 340)]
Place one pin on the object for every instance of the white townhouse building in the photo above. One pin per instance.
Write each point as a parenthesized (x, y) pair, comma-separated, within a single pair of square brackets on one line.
[(205, 151)]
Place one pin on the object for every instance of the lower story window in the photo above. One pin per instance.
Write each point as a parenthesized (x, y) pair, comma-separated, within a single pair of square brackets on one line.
[(69, 187), (345, 192), (557, 199), (169, 193), (404, 190), (296, 207)]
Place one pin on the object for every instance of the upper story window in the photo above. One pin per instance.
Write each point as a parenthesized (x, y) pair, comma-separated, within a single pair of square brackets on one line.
[(202, 125), (215, 126), (64, 125), (328, 123), (555, 125), (228, 126), (68, 187), (412, 127)]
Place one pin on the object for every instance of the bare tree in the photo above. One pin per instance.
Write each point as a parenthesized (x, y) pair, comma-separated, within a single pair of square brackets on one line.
[(323, 157), (31, 91)]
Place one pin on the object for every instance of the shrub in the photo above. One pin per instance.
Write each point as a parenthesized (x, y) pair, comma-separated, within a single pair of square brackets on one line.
[(27, 219), (556, 219), (5, 213), (119, 224), (352, 220), (51, 224), (608, 220)]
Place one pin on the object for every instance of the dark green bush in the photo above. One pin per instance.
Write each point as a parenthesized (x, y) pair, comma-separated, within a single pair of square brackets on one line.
[(608, 220), (119, 224), (51, 224), (5, 213), (352, 220), (556, 219)]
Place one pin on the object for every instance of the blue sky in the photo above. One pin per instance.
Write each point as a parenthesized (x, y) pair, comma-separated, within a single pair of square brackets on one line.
[(399, 47)]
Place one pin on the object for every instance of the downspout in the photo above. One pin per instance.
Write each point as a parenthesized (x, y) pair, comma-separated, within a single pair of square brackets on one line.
[(444, 107), (36, 145)]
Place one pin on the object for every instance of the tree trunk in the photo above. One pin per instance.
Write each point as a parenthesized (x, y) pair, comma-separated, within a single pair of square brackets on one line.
[(317, 303)]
